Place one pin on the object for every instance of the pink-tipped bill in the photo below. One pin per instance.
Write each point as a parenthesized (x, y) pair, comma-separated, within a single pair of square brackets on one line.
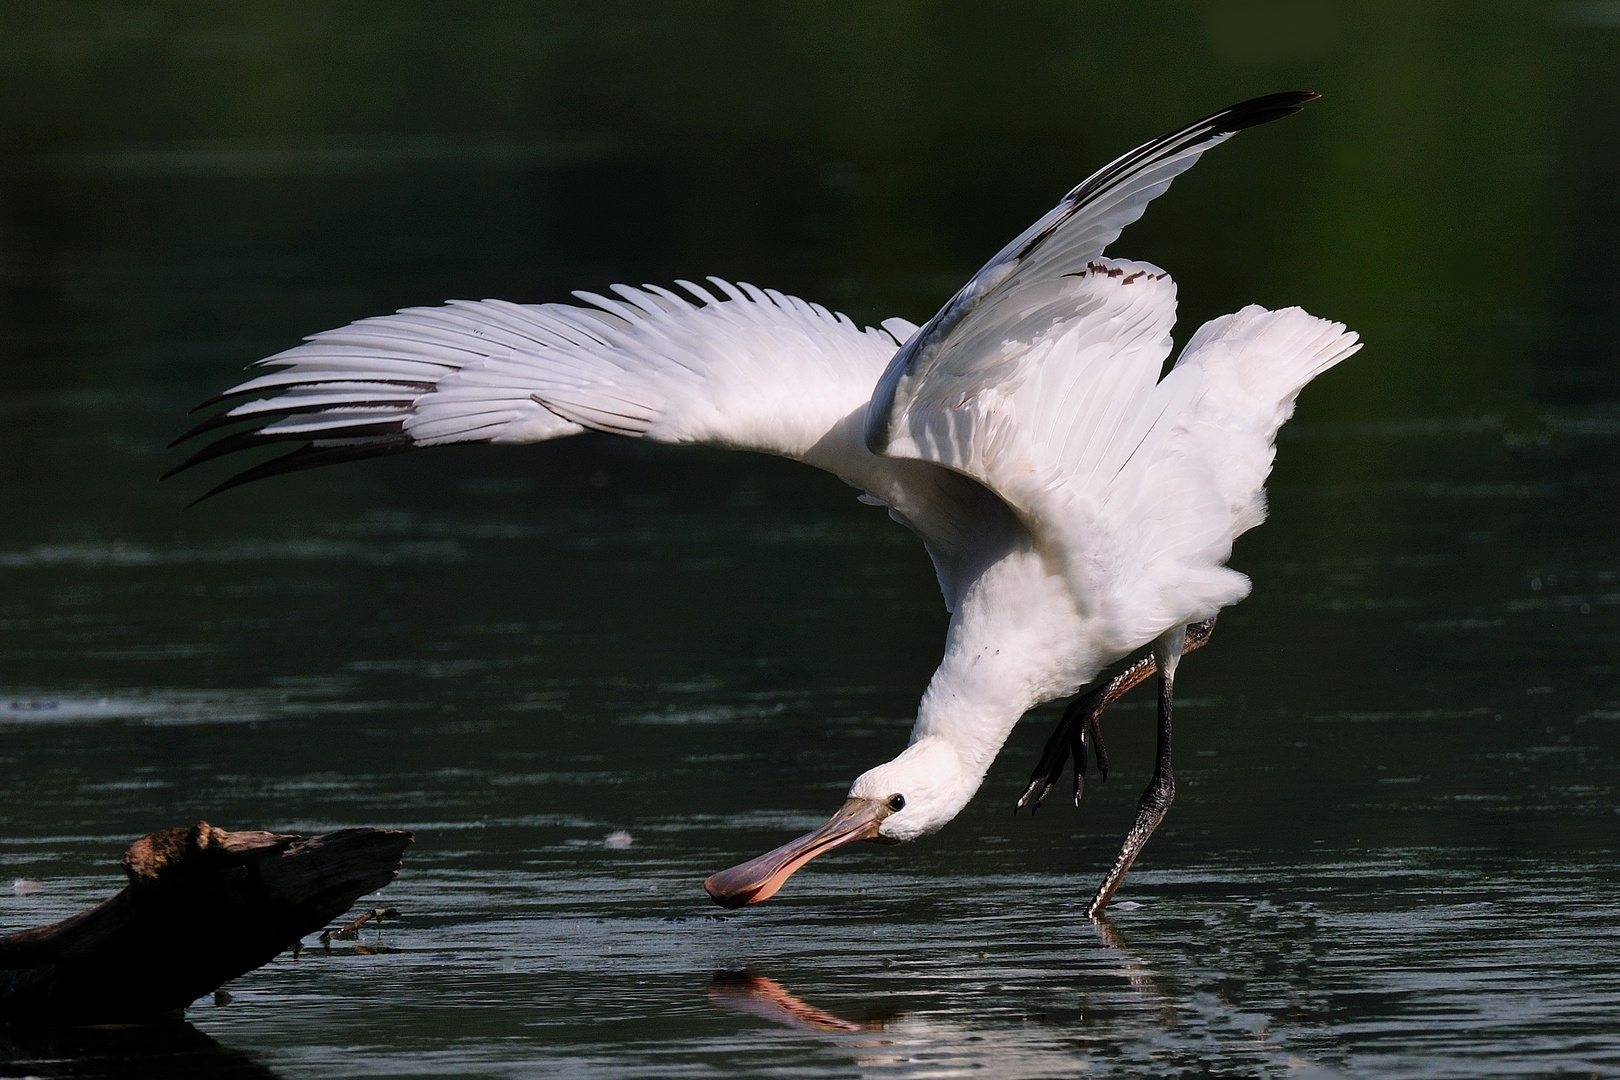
[(758, 879)]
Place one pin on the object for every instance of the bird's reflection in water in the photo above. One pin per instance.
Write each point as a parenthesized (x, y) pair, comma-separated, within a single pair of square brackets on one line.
[(123, 1052), (1123, 1019), (939, 1044), (1135, 971), (769, 999)]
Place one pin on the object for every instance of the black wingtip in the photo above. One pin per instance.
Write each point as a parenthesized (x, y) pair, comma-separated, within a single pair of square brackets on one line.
[(1263, 109), (379, 434), (230, 444), (222, 396), (267, 416), (311, 456), (213, 423)]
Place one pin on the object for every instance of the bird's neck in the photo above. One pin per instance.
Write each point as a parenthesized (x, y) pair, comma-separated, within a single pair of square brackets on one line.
[(1015, 641)]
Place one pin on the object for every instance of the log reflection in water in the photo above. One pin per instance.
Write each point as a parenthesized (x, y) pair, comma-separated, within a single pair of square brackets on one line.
[(170, 1049)]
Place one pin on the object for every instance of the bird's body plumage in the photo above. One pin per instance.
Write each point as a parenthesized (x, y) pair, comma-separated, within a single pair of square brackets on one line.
[(1076, 504)]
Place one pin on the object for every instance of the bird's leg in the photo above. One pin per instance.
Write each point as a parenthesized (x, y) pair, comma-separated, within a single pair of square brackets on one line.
[(1080, 727), (1161, 789), (1075, 733)]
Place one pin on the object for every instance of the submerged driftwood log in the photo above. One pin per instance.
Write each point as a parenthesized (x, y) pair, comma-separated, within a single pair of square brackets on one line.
[(202, 906)]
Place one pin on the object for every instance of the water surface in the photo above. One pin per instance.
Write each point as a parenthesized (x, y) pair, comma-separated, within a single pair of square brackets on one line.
[(591, 673)]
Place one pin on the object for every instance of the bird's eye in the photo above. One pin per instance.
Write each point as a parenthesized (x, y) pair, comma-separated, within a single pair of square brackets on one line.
[(897, 803)]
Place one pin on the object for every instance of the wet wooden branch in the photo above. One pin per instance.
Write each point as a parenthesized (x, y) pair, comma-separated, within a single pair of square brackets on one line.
[(202, 906)]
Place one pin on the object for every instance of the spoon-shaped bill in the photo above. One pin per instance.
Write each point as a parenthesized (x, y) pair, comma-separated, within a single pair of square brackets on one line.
[(758, 879)]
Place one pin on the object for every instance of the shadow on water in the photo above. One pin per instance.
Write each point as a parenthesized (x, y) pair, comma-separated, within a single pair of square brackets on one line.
[(124, 1052)]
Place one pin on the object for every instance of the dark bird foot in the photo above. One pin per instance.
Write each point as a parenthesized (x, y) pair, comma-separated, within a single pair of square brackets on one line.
[(1077, 732), (1081, 729)]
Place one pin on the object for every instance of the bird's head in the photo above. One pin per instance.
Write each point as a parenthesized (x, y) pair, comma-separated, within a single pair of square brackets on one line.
[(900, 800)]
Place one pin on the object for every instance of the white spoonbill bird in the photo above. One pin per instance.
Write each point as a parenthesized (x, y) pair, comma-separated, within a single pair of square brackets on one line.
[(1076, 505)]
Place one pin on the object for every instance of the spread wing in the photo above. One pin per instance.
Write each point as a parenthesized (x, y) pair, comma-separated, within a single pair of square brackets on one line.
[(1065, 240), (1254, 363), (1063, 415), (1040, 379), (751, 369), (1135, 486)]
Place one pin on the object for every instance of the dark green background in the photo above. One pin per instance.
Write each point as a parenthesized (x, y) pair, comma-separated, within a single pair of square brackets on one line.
[(1394, 843)]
